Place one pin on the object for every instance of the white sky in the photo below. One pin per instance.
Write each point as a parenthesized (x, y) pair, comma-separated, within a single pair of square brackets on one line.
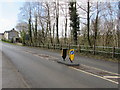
[(8, 15), (9, 10)]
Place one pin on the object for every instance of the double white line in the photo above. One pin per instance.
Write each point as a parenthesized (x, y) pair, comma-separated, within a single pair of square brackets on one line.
[(105, 78), (111, 77)]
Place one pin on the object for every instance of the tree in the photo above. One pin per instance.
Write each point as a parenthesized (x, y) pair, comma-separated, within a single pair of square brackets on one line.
[(88, 15), (118, 26), (22, 28), (95, 28), (26, 16), (49, 22), (29, 27), (36, 29), (57, 20), (74, 24), (88, 22), (65, 39)]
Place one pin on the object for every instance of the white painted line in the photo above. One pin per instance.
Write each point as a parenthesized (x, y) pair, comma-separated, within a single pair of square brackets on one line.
[(111, 77), (26, 84), (94, 75), (101, 69)]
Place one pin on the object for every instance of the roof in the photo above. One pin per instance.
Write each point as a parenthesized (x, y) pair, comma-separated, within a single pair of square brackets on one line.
[(1, 33), (6, 31), (10, 31)]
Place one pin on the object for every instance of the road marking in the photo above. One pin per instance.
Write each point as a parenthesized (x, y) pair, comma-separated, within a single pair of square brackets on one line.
[(104, 77), (24, 81), (111, 77), (43, 56), (101, 69), (95, 75)]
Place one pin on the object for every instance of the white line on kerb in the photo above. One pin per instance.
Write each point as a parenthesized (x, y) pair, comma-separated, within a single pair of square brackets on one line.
[(94, 75)]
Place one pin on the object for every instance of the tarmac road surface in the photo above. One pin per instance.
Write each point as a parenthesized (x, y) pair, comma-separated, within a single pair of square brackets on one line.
[(39, 69)]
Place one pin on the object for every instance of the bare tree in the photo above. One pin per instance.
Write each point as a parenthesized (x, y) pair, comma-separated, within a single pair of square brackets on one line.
[(49, 22), (57, 21), (118, 26), (88, 22), (26, 16)]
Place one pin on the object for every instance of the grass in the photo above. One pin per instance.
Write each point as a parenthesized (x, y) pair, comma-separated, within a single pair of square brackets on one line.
[(99, 57), (8, 42), (88, 55)]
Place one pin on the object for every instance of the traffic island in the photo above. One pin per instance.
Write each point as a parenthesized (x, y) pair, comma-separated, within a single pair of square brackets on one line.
[(68, 63)]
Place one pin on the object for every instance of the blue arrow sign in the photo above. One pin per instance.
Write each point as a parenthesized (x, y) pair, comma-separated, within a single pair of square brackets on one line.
[(71, 52)]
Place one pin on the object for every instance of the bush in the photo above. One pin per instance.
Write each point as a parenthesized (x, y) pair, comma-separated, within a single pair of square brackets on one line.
[(9, 41)]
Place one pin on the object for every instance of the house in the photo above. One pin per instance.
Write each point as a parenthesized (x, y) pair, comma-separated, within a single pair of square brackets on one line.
[(1, 35), (11, 35)]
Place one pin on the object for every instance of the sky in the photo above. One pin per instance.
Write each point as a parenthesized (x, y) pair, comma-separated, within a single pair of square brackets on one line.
[(9, 15), (9, 10)]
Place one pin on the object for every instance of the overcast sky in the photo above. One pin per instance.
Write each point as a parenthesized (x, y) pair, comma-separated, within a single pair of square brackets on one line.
[(9, 10), (8, 15)]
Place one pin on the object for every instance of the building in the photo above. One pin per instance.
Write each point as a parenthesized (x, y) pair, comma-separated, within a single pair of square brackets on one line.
[(11, 35), (1, 35)]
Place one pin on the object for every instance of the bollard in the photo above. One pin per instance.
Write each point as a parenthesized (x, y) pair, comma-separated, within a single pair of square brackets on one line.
[(64, 53), (71, 58), (71, 55)]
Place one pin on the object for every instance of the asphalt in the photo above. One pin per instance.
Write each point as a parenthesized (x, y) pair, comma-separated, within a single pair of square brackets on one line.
[(11, 78), (0, 67), (38, 71)]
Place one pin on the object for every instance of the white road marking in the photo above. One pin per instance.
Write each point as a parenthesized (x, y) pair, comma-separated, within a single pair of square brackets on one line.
[(104, 77), (111, 77), (101, 70), (95, 75)]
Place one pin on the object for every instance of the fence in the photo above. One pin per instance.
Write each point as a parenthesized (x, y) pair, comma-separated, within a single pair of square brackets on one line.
[(113, 52)]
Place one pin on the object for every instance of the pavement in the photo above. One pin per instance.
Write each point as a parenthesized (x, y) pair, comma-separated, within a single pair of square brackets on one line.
[(0, 68), (9, 75), (38, 69)]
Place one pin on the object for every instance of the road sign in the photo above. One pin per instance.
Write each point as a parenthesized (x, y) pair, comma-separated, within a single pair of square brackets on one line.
[(64, 53), (71, 54)]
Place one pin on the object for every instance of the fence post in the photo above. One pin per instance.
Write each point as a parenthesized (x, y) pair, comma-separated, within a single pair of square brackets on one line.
[(54, 46), (79, 48), (69, 46), (60, 47), (113, 52), (48, 45), (94, 49), (39, 45)]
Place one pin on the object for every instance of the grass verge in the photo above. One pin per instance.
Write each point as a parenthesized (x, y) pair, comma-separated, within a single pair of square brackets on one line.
[(88, 55)]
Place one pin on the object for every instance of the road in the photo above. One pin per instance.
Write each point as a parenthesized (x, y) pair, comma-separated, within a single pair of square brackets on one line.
[(11, 78), (40, 69)]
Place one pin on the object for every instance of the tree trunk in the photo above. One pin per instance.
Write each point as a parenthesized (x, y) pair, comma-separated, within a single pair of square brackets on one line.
[(88, 22), (65, 39), (49, 22), (57, 20)]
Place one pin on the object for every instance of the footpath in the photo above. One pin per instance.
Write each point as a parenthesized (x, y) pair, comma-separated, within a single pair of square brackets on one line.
[(9, 76), (0, 69)]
